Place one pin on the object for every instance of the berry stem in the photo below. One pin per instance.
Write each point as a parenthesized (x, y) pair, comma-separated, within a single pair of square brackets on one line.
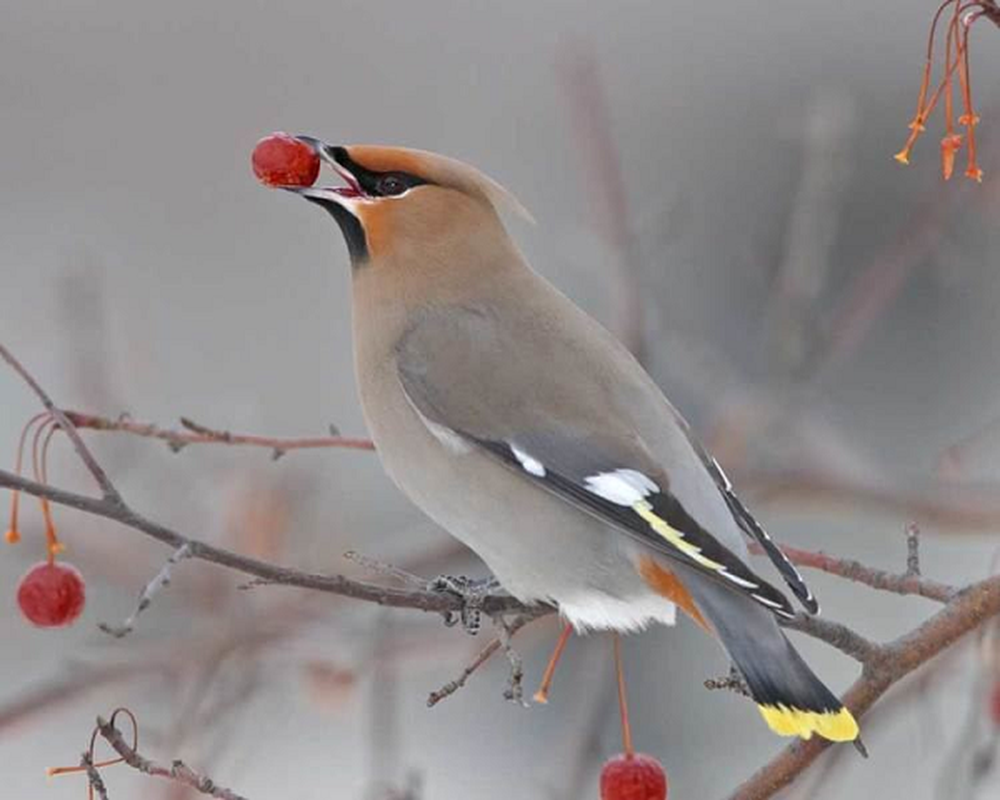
[(965, 77), (13, 534), (56, 771), (622, 700), (39, 458), (542, 695)]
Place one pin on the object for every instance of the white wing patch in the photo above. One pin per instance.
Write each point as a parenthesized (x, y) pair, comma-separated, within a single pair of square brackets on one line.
[(623, 487), (531, 464)]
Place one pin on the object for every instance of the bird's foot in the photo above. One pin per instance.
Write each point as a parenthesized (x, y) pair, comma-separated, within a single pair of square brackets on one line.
[(472, 592)]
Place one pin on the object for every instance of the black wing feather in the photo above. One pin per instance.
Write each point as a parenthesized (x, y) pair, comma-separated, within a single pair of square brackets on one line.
[(756, 531), (734, 573)]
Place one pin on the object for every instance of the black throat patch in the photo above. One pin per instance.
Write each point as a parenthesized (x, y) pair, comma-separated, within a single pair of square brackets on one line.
[(350, 226)]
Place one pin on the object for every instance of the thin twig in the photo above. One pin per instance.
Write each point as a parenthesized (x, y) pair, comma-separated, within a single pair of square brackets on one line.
[(421, 600), (177, 771), (377, 567), (160, 581), (108, 489), (906, 583), (199, 434), (882, 665), (93, 776), (515, 682), (481, 658), (835, 634)]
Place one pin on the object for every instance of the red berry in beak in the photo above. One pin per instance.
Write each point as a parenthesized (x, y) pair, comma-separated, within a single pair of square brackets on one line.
[(282, 160), (51, 595), (633, 777)]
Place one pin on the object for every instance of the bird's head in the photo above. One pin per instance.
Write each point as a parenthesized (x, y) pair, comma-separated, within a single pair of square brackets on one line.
[(403, 203)]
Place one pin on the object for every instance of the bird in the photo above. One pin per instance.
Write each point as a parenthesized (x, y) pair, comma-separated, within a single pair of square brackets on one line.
[(525, 429)]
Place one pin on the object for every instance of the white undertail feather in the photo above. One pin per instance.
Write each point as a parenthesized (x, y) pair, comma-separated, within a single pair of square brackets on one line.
[(599, 612)]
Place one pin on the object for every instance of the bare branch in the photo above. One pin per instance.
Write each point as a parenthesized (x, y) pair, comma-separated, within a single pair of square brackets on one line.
[(420, 600), (515, 688), (178, 771), (484, 655), (199, 434), (107, 487), (836, 635), (882, 665), (159, 582), (93, 776), (907, 583)]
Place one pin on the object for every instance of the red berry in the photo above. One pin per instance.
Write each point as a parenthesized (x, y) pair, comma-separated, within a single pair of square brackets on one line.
[(282, 160), (51, 595), (635, 777)]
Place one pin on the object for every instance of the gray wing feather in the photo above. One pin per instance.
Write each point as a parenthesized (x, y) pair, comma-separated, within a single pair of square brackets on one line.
[(565, 427)]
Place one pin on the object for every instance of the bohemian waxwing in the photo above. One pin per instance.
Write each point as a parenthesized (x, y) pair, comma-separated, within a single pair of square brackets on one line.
[(520, 425)]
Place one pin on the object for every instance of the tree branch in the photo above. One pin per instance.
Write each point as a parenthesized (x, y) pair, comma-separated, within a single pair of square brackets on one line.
[(422, 600), (111, 494), (882, 665), (199, 434), (93, 776), (905, 583), (177, 771)]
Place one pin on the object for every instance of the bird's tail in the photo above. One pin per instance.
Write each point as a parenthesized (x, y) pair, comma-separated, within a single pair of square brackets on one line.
[(791, 699)]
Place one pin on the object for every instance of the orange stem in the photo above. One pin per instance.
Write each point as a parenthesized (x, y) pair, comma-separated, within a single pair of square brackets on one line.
[(48, 427), (542, 695), (13, 535), (622, 701), (970, 119), (56, 771)]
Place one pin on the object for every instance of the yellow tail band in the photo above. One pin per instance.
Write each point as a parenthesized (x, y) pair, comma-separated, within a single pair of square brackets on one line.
[(837, 726)]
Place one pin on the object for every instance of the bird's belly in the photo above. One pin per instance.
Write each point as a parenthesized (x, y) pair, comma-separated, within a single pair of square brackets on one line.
[(538, 546)]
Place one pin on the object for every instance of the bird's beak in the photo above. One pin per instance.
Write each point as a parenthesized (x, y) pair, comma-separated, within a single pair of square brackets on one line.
[(345, 196)]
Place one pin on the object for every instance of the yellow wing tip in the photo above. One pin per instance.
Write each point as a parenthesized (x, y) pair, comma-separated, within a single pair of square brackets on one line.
[(837, 726)]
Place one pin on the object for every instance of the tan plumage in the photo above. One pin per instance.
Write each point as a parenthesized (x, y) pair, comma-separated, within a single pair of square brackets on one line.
[(526, 430)]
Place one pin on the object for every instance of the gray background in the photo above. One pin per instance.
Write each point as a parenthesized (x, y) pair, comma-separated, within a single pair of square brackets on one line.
[(143, 270)]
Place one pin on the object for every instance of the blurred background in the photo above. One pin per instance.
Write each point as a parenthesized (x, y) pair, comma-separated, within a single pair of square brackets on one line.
[(715, 182)]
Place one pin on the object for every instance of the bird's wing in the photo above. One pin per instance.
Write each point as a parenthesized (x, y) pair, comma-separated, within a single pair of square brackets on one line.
[(575, 441), (749, 524)]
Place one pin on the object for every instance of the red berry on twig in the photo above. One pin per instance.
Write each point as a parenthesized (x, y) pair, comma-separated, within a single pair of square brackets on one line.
[(51, 594), (635, 777), (282, 160)]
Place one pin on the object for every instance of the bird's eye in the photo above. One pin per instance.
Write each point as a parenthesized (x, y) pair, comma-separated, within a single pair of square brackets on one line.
[(391, 184)]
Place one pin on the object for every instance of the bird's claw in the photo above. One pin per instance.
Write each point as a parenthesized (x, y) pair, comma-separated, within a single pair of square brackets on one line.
[(472, 592)]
